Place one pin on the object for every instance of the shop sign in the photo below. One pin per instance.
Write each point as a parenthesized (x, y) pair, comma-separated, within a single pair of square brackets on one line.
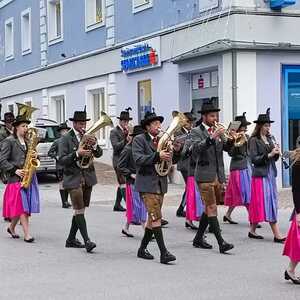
[(279, 4), (141, 56)]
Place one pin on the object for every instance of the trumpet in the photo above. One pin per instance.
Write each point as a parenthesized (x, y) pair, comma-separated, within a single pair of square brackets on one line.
[(293, 156), (239, 138)]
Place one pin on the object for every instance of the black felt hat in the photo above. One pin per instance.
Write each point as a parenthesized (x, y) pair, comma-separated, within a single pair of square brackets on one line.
[(63, 126), (243, 120), (209, 106), (124, 115), (138, 129), (8, 117), (264, 118), (150, 117), (189, 115), (80, 116), (20, 119)]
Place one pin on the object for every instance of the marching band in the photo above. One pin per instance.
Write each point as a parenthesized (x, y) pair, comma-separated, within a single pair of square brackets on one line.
[(142, 157)]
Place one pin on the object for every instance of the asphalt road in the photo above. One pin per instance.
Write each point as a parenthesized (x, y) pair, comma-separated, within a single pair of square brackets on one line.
[(47, 270)]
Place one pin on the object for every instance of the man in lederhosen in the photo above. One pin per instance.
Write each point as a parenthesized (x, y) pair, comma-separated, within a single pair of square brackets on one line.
[(208, 146), (5, 131), (183, 163), (150, 184), (78, 181), (119, 138), (53, 153)]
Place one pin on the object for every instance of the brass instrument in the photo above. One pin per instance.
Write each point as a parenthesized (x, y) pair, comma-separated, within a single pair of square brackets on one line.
[(32, 139), (31, 161), (167, 140), (88, 139), (293, 156)]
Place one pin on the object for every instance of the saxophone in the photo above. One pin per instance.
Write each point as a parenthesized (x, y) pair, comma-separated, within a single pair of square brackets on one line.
[(166, 141), (31, 162)]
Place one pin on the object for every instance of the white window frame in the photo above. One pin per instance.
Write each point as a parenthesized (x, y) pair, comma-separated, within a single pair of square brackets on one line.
[(29, 49), (12, 54), (207, 5), (55, 39), (89, 27), (52, 108), (89, 105), (137, 8), (7, 106)]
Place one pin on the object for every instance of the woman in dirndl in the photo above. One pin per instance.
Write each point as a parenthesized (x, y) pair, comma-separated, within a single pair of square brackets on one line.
[(194, 204), (18, 203), (264, 152), (136, 213), (238, 189), (292, 243)]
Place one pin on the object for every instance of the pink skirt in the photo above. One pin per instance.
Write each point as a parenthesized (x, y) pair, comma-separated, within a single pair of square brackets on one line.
[(292, 243), (12, 201)]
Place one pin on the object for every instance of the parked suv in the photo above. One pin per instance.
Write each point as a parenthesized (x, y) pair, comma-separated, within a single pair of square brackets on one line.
[(48, 164)]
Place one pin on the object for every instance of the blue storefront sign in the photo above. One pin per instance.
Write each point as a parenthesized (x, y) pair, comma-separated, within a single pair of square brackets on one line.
[(279, 4), (140, 56)]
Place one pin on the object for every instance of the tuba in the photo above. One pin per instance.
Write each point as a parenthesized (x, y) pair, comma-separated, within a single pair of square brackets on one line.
[(31, 162), (167, 139), (88, 139)]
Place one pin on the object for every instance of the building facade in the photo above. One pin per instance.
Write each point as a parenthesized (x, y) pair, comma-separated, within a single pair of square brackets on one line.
[(60, 55)]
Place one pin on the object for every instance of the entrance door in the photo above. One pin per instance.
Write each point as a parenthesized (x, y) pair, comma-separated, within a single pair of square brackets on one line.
[(290, 112)]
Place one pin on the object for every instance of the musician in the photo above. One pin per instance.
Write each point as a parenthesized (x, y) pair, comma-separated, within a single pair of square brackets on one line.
[(135, 208), (183, 163), (77, 181), (53, 153), (6, 130), (119, 138), (150, 184), (264, 152), (191, 197), (19, 203), (208, 145), (239, 184), (292, 243)]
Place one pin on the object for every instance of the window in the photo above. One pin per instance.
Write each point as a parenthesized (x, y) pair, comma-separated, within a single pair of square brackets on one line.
[(10, 108), (94, 14), (26, 31), (139, 5), (55, 21), (57, 108), (9, 39), (96, 102), (144, 97), (205, 5)]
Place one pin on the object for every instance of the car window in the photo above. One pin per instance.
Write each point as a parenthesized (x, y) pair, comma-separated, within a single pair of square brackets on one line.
[(52, 134)]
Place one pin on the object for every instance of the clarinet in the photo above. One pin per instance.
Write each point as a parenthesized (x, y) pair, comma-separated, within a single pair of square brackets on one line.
[(283, 157)]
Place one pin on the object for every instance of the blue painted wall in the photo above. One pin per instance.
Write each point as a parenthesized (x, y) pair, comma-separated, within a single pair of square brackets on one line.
[(163, 14), (76, 40), (20, 63)]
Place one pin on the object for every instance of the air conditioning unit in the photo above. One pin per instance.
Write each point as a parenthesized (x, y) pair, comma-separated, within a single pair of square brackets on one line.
[(279, 4)]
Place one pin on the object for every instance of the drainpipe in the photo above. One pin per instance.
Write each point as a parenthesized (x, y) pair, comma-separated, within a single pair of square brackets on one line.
[(234, 83)]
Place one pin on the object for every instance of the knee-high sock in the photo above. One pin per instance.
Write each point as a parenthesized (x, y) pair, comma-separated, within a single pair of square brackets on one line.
[(202, 227), (63, 196), (160, 239), (73, 230), (147, 238), (215, 228), (118, 197), (123, 193), (81, 223), (183, 202)]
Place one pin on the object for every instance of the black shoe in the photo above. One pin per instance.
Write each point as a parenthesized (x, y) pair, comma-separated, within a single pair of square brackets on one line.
[(127, 233), (89, 246), (14, 236), (224, 247), (226, 219), (144, 253), (255, 236), (66, 205), (31, 240), (288, 277), (258, 226), (74, 244), (7, 219), (119, 208), (279, 241), (167, 257), (180, 213), (192, 226), (164, 222), (202, 244)]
